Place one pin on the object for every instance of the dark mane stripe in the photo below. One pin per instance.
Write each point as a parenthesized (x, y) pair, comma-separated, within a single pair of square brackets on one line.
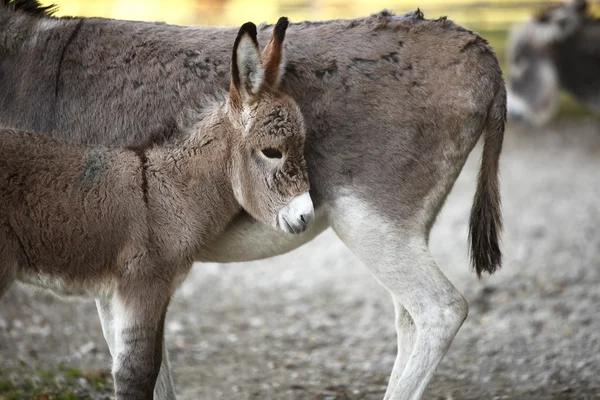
[(31, 7)]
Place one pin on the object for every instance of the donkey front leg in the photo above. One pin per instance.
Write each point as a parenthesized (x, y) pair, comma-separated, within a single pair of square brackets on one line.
[(400, 260), (6, 281), (164, 389), (7, 273), (104, 307), (139, 315)]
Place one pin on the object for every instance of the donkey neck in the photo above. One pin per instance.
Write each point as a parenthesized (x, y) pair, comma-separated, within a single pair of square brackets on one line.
[(190, 177), (203, 149)]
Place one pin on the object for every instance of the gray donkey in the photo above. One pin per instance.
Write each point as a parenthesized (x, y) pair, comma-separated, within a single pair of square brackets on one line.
[(124, 225), (393, 106), (558, 48)]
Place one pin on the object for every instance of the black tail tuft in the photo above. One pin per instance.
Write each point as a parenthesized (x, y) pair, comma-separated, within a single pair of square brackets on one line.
[(31, 7), (485, 224)]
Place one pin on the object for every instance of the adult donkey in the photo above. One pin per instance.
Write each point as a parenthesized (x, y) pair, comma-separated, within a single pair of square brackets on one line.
[(393, 106)]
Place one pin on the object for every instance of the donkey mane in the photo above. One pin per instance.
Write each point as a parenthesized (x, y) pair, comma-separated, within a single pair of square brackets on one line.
[(180, 127), (384, 19), (412, 20), (174, 132), (31, 7)]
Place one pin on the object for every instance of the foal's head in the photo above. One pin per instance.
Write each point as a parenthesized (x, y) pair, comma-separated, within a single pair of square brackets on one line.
[(268, 169)]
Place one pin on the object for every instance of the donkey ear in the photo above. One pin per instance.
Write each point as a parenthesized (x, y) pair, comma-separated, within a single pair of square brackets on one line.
[(247, 73), (272, 55)]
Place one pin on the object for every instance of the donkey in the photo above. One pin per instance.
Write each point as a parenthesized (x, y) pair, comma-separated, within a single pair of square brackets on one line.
[(124, 225), (558, 48), (393, 105)]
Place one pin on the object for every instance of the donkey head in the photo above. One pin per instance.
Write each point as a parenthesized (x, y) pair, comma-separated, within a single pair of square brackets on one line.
[(533, 80), (560, 21), (268, 168)]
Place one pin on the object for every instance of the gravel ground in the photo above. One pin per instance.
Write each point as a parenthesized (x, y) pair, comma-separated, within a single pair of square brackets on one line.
[(314, 324)]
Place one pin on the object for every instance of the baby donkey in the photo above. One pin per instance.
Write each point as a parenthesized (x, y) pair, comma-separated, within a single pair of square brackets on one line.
[(124, 225)]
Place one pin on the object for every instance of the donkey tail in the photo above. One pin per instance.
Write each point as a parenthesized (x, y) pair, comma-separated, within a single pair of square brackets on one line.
[(31, 7), (485, 223)]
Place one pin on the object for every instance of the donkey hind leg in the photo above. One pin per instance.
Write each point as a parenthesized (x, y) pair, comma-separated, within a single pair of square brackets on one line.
[(139, 316), (400, 260), (164, 389), (407, 333), (103, 305)]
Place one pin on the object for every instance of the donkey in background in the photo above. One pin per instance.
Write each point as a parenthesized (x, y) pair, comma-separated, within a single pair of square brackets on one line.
[(124, 225), (557, 49), (393, 105)]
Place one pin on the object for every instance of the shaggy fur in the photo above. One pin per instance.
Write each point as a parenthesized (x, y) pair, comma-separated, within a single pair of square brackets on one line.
[(149, 71), (127, 224), (393, 106)]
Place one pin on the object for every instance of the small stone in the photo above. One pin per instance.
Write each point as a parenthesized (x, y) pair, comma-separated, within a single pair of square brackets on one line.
[(232, 337), (88, 348), (82, 382), (175, 327)]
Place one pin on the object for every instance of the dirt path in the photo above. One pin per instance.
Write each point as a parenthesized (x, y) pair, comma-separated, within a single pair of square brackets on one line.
[(314, 324)]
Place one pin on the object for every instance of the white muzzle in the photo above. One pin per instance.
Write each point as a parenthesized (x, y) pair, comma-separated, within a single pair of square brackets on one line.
[(297, 215)]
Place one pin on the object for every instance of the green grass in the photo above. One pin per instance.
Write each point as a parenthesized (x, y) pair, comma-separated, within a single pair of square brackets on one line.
[(64, 382)]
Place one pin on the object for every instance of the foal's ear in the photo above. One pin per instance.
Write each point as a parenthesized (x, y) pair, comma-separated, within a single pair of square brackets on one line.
[(272, 55), (247, 73)]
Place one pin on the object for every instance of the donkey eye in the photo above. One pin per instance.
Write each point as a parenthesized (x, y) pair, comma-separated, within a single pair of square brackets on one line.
[(271, 153)]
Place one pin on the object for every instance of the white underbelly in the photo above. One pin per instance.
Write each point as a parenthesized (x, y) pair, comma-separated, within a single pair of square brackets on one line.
[(64, 288)]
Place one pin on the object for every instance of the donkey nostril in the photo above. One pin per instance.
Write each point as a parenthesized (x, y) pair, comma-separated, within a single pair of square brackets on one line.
[(302, 218)]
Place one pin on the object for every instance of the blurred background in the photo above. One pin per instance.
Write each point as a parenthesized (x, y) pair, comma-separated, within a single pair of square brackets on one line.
[(487, 15)]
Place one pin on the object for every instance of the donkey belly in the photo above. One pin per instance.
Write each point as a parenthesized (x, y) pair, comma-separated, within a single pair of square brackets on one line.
[(84, 256), (88, 271), (248, 240), (64, 287)]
